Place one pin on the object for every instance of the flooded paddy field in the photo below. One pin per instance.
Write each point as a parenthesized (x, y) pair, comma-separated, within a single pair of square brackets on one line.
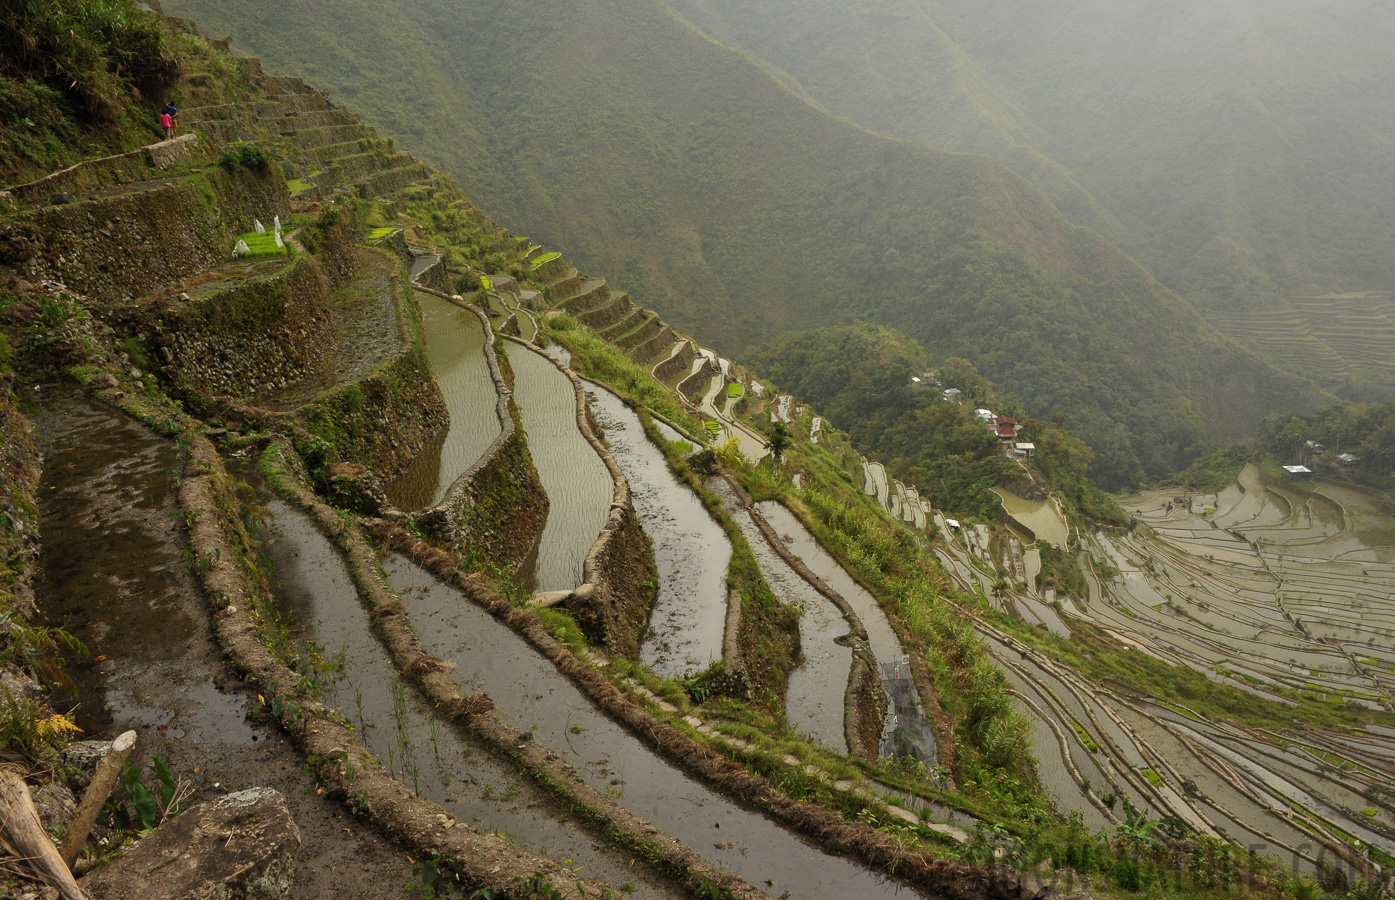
[(815, 694), (690, 549), (114, 575), (578, 485), (533, 696), (316, 593), (455, 349), (907, 731)]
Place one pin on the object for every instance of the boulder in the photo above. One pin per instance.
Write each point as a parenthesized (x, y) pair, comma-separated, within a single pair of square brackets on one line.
[(241, 846)]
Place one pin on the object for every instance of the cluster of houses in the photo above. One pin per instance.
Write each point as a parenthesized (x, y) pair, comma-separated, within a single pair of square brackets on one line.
[(1004, 427), (1344, 459)]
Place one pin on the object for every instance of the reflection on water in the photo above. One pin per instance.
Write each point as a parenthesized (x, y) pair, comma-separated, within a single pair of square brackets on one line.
[(691, 550), (578, 485), (455, 349)]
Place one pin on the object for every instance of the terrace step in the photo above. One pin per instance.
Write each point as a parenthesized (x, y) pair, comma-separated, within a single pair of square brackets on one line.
[(678, 365), (603, 317), (566, 285), (653, 348), (646, 332), (594, 294)]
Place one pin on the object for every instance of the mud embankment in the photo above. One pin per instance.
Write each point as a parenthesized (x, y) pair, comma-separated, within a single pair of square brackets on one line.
[(686, 628), (497, 505), (116, 576)]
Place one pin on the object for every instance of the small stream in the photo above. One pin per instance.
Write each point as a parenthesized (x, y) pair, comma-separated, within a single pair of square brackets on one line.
[(532, 695), (315, 592), (691, 550), (455, 349), (907, 732), (814, 698), (578, 484)]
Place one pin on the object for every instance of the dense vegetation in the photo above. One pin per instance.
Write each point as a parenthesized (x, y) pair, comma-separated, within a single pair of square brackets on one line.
[(1366, 432), (74, 73), (646, 151), (859, 376)]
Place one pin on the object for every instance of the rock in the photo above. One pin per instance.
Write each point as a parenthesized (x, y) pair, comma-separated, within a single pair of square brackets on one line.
[(1030, 887), (104, 380), (241, 846), (60, 199), (84, 756), (184, 297), (55, 805)]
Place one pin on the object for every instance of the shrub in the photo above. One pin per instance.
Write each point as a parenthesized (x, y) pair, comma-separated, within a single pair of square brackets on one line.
[(248, 156)]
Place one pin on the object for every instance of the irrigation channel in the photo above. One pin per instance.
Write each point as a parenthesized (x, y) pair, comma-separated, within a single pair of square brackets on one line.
[(455, 350), (1262, 586), (316, 594), (906, 731), (691, 550), (114, 574), (578, 485), (533, 696), (814, 699)]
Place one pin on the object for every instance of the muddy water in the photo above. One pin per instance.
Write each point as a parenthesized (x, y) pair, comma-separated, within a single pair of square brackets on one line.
[(316, 593), (531, 694), (578, 484), (691, 550), (114, 576), (455, 348), (907, 733), (1041, 516), (814, 698)]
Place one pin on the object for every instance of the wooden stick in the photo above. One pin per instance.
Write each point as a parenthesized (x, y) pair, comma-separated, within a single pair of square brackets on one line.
[(108, 771), (25, 836)]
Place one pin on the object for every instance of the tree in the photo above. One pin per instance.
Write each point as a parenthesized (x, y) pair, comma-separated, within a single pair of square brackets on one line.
[(779, 440)]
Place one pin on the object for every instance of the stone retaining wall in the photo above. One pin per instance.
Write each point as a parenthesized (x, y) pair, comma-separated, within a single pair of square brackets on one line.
[(19, 501), (677, 364), (119, 248), (251, 338)]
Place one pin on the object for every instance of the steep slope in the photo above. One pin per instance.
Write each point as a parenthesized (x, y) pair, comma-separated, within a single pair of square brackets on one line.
[(645, 150), (1252, 140), (889, 67)]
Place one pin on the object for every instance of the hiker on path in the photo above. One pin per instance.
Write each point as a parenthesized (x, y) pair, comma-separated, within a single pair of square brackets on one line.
[(172, 113)]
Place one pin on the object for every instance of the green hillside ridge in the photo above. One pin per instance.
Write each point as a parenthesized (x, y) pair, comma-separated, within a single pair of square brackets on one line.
[(890, 68), (1249, 142), (642, 148)]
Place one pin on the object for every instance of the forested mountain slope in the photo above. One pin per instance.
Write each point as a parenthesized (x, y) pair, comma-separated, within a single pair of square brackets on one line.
[(888, 66), (650, 153), (1250, 140)]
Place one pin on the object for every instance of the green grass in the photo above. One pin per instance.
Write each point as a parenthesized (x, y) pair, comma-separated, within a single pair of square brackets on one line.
[(1085, 738), (735, 390), (486, 284), (545, 258), (262, 245), (377, 234)]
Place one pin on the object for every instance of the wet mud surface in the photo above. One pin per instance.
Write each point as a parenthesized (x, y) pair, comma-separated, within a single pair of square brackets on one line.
[(814, 698), (906, 732), (114, 576), (532, 695), (316, 593), (578, 485), (455, 350), (691, 549)]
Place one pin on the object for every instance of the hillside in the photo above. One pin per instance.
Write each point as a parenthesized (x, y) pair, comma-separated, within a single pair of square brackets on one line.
[(1249, 141), (644, 149)]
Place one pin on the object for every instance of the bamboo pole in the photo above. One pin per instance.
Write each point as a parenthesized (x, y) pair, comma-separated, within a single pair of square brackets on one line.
[(108, 771), (25, 837)]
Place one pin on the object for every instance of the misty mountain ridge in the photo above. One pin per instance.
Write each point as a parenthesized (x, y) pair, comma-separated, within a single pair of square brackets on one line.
[(716, 193)]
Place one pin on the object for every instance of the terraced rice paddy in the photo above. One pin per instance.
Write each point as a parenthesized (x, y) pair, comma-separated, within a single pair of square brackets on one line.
[(814, 697), (691, 550), (316, 593), (907, 733), (1040, 517), (579, 488), (533, 696), (455, 349)]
